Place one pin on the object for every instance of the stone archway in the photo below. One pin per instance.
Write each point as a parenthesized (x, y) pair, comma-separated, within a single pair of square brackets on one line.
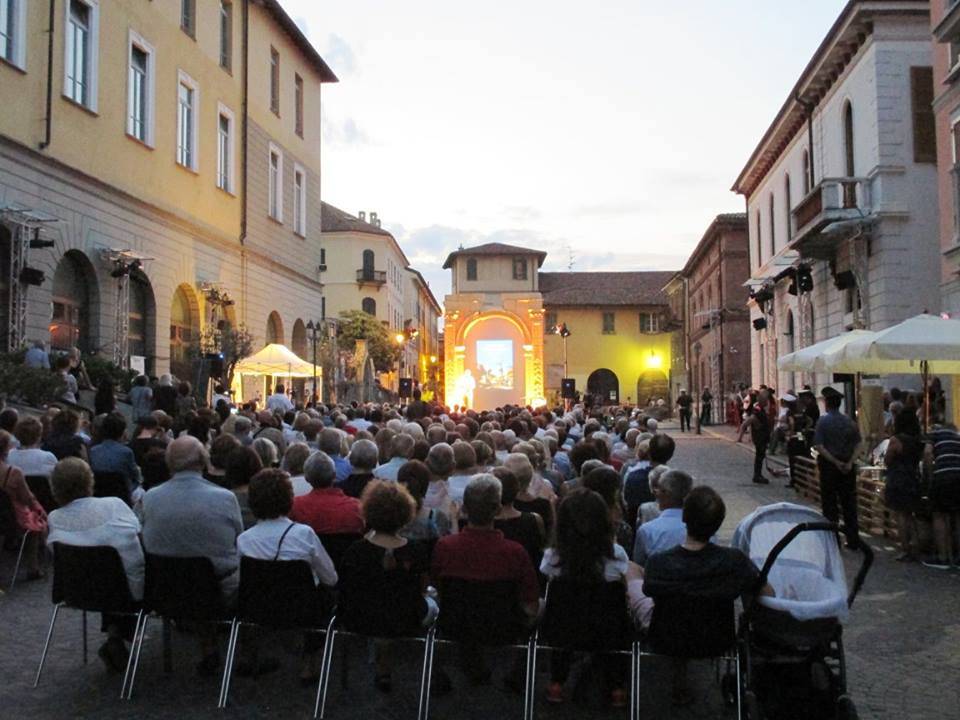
[(142, 331), (274, 332), (652, 385), (75, 304), (184, 330), (604, 385)]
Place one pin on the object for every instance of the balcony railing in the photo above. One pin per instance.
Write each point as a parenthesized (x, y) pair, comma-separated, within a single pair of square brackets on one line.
[(371, 277), (833, 200)]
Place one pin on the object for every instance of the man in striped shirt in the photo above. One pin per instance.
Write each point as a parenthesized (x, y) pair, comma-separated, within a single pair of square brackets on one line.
[(945, 495)]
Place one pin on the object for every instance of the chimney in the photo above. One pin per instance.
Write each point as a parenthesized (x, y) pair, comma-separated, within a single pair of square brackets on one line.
[(374, 220), (362, 215)]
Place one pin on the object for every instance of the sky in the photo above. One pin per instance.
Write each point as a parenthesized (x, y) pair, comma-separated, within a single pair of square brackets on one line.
[(607, 133)]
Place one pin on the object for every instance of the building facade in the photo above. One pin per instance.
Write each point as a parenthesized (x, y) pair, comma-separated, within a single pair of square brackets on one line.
[(717, 334), (166, 179), (839, 190), (676, 292)]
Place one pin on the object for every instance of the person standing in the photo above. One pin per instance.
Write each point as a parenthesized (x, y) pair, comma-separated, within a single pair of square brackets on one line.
[(836, 439), (706, 406), (36, 357), (760, 435), (684, 402)]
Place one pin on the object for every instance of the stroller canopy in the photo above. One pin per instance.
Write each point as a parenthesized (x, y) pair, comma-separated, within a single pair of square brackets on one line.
[(808, 576)]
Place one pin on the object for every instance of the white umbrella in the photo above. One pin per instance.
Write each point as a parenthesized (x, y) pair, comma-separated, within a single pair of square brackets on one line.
[(925, 343), (813, 357)]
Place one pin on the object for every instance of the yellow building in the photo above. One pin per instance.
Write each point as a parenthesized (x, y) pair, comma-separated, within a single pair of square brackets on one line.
[(172, 165), (501, 322)]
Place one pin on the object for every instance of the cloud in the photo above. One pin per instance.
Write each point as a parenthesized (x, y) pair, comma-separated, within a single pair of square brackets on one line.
[(617, 208), (346, 132), (340, 56), (522, 213)]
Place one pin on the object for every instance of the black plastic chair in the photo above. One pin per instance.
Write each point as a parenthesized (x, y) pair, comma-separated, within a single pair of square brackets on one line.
[(10, 529), (280, 595), (336, 545), (91, 579), (181, 589), (586, 617), (40, 487), (111, 484)]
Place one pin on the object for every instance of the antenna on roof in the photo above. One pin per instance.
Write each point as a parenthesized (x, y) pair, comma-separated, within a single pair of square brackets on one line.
[(570, 259), (461, 247)]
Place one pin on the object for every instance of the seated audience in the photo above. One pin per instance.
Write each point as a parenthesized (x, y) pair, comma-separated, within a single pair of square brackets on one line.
[(331, 442), (525, 528), (520, 465), (465, 467), (636, 486), (364, 456), (64, 438), (605, 481), (401, 448), (110, 455), (28, 514), (267, 450), (32, 461), (668, 530), (440, 462), (220, 450), (428, 523), (292, 463), (327, 509), (242, 464)]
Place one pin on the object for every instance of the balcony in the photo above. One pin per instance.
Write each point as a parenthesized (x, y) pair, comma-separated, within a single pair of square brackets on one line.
[(833, 200), (948, 29), (371, 277)]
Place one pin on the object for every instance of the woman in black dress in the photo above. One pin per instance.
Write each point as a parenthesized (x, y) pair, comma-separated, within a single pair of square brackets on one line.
[(383, 576), (902, 490), (525, 528), (520, 465)]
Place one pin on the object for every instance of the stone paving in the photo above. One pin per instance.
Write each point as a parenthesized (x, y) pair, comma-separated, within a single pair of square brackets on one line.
[(903, 648)]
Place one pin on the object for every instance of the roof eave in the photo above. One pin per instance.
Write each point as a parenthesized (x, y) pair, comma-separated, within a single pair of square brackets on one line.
[(296, 34)]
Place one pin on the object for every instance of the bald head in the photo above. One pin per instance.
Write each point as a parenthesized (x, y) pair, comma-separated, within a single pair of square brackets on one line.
[(185, 454)]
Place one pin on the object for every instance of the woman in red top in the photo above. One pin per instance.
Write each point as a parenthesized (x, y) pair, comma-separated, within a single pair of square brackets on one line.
[(28, 513)]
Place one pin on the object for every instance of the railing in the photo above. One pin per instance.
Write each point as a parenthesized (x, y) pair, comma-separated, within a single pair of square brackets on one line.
[(833, 199), (375, 277)]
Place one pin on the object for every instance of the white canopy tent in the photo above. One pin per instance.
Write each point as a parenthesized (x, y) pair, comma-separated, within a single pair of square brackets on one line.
[(277, 359), (816, 357), (921, 344)]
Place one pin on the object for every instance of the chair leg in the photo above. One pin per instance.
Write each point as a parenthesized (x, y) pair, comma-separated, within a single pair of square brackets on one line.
[(16, 567), (429, 645), (136, 650), (635, 689), (46, 645), (125, 689), (739, 687), (530, 690), (228, 663), (84, 613), (320, 706)]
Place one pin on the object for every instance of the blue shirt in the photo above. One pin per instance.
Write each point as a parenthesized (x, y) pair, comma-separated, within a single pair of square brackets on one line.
[(344, 468), (838, 434), (110, 456), (666, 532), (37, 358)]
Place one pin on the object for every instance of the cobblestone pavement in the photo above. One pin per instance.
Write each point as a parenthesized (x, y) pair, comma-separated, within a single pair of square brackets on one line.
[(903, 649)]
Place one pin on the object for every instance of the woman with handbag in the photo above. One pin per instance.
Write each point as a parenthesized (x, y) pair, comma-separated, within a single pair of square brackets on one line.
[(28, 513)]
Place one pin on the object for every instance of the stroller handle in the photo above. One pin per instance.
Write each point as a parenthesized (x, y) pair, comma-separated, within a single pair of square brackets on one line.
[(864, 548)]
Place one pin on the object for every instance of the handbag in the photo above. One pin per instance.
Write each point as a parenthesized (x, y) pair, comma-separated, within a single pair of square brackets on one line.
[(31, 518)]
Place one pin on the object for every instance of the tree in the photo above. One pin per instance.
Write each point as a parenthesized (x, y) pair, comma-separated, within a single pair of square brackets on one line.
[(233, 343), (381, 346)]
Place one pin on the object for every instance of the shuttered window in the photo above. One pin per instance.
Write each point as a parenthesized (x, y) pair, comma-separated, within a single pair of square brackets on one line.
[(924, 126)]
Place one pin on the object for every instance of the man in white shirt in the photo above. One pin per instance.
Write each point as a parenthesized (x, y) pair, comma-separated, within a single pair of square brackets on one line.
[(401, 448), (279, 401), (668, 530)]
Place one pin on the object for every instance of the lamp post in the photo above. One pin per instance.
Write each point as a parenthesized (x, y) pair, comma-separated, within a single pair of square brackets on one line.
[(314, 328), (401, 339)]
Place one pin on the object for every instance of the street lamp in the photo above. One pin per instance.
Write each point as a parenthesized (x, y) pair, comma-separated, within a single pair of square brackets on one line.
[(314, 328), (564, 333)]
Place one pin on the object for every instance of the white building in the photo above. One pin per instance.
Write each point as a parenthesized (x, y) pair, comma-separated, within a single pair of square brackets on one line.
[(844, 184)]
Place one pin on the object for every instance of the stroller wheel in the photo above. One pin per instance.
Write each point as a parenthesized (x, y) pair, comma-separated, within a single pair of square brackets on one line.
[(728, 688), (753, 707), (846, 710)]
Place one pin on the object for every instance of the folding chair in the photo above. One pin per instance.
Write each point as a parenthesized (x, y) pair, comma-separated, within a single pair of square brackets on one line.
[(8, 529), (91, 579), (181, 589), (586, 617), (40, 487), (336, 545), (111, 484), (280, 595)]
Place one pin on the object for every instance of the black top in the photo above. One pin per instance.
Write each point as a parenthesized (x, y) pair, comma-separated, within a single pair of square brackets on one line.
[(378, 601), (526, 531), (540, 506), (165, 398), (141, 446), (64, 446), (355, 484), (713, 572), (685, 401)]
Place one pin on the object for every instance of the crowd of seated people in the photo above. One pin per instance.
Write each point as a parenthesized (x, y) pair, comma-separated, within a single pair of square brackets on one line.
[(511, 495)]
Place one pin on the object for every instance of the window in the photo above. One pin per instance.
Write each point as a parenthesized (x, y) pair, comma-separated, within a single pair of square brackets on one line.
[(519, 268), (80, 67), (787, 206), (323, 307), (549, 321), (298, 99), (773, 226), (924, 126), (369, 306), (275, 81), (225, 149), (759, 241), (649, 323), (226, 34), (187, 104), (276, 184), (955, 171), (140, 90), (471, 268), (954, 50), (13, 17), (188, 17), (608, 323), (806, 173), (323, 256), (848, 140), (299, 201)]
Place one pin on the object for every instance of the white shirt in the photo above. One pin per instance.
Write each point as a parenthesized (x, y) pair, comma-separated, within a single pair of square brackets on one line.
[(33, 461), (300, 485), (91, 521), (614, 568), (279, 401), (217, 397), (301, 543)]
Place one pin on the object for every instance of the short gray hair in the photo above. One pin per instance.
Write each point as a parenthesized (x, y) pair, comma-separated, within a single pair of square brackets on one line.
[(294, 458), (676, 484), (440, 460), (402, 446), (319, 470), (364, 455), (520, 465), (186, 453), (653, 479), (267, 450), (481, 499), (329, 441)]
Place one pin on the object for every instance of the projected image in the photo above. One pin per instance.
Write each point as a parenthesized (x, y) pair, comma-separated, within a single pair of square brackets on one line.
[(495, 364)]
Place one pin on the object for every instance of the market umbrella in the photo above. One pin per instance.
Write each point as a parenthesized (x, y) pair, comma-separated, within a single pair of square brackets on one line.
[(813, 357)]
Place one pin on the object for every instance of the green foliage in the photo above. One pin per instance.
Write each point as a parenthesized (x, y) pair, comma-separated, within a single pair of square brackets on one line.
[(234, 343), (33, 386), (381, 346), (100, 368)]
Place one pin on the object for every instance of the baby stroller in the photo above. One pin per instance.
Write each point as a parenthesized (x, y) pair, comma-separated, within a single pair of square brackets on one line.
[(791, 645)]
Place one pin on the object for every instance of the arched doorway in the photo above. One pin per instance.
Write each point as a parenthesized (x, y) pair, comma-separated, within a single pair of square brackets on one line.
[(75, 298), (652, 385), (604, 386), (142, 332), (494, 358), (274, 328), (184, 331)]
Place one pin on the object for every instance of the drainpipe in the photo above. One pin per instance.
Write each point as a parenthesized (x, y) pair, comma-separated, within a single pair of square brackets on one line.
[(48, 120), (244, 139)]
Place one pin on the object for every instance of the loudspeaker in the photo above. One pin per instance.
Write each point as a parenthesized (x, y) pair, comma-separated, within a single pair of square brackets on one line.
[(568, 388), (216, 365), (760, 324), (406, 387)]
